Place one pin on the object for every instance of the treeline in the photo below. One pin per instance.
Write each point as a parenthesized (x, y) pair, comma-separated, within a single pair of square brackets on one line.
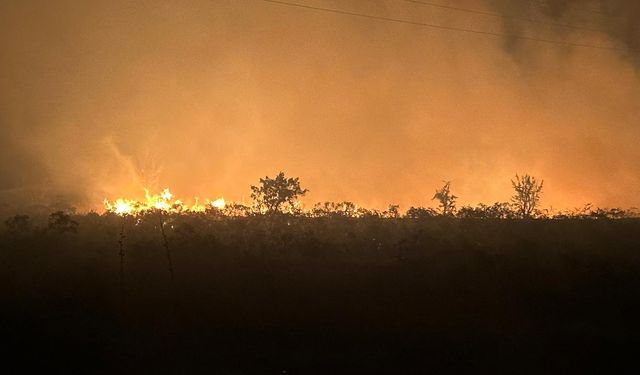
[(279, 196)]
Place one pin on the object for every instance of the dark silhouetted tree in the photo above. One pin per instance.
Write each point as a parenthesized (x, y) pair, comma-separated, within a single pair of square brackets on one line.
[(446, 199), (277, 195), (62, 223), (527, 196), (19, 224), (393, 212)]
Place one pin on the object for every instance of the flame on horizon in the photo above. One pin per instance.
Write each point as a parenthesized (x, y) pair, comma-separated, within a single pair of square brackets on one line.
[(164, 201)]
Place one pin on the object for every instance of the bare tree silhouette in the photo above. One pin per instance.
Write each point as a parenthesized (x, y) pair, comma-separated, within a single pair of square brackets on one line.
[(527, 196)]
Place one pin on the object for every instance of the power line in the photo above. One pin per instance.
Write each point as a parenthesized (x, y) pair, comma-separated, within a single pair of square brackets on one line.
[(450, 28), (504, 16)]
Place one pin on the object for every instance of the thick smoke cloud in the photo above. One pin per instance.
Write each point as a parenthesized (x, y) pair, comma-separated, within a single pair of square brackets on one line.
[(606, 23), (101, 99)]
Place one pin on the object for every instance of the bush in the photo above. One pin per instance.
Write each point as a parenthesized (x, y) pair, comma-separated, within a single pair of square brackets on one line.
[(19, 224), (61, 223)]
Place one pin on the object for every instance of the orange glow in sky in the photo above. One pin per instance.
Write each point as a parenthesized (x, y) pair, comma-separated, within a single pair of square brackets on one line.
[(104, 99)]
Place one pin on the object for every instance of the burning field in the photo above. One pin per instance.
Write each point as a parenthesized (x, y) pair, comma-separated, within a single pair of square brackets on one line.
[(163, 201), (473, 171)]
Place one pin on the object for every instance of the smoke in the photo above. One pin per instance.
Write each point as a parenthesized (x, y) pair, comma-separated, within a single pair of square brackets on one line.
[(204, 97), (611, 23)]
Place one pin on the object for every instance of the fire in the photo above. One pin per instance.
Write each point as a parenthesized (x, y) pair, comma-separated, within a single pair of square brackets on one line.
[(218, 203), (160, 201), (120, 206), (197, 207), (164, 201)]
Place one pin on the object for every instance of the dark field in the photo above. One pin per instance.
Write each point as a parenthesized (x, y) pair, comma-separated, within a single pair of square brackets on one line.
[(323, 296)]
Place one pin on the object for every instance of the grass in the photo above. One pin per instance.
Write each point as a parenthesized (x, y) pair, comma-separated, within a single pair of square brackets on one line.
[(324, 295)]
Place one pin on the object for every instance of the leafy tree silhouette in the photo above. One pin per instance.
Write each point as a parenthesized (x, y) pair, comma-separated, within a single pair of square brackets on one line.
[(393, 212), (19, 224), (447, 200), (61, 222), (277, 195), (527, 196)]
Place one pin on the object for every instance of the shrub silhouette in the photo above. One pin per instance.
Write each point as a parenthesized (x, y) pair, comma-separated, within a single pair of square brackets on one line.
[(19, 224), (334, 209), (612, 213), (499, 210), (420, 213)]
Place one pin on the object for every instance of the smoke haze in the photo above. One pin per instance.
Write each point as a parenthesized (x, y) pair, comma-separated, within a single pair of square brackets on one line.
[(102, 99)]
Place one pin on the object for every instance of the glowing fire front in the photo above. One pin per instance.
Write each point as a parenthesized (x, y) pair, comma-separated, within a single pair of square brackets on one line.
[(164, 202)]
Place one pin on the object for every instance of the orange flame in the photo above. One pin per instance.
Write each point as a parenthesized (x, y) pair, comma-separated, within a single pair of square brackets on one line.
[(164, 201)]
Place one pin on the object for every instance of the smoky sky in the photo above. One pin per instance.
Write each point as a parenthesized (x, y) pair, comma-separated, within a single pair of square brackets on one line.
[(100, 99)]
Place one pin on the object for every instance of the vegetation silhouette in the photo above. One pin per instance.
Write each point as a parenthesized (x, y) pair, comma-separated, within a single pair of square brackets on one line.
[(277, 195), (499, 210), (165, 242), (527, 196), (420, 213), (18, 224), (273, 287), (61, 222), (121, 254), (446, 199)]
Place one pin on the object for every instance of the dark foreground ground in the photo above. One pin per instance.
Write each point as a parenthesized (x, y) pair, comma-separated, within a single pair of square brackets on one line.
[(324, 296)]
